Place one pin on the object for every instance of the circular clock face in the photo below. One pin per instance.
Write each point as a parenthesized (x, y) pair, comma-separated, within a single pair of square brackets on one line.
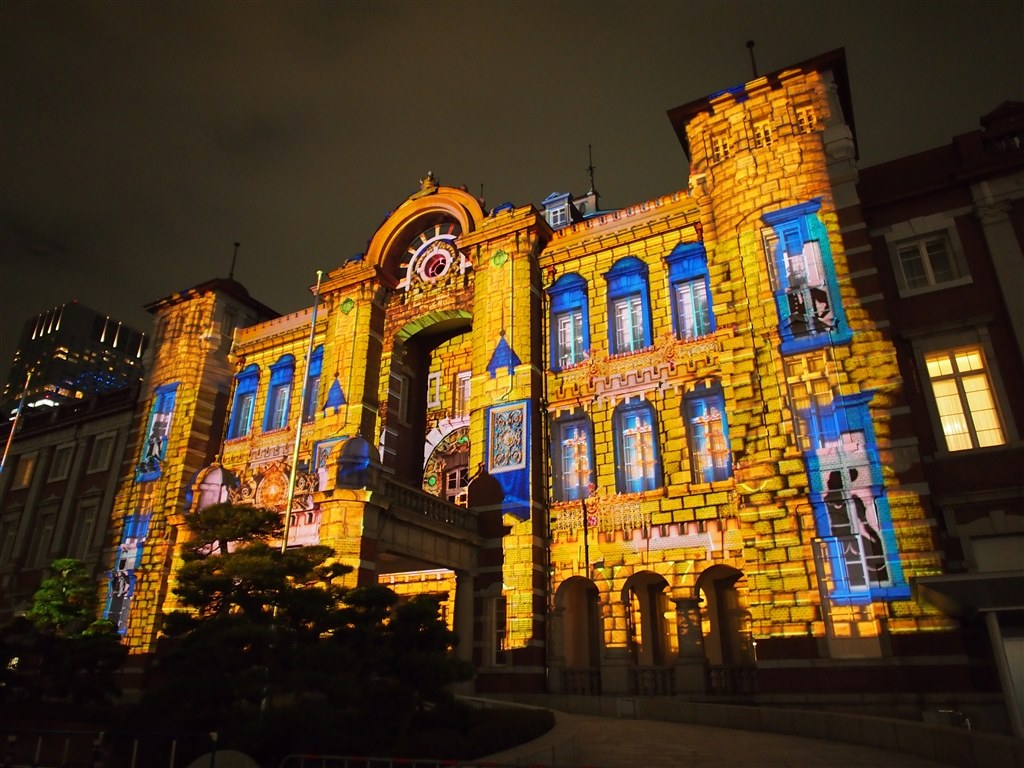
[(431, 254)]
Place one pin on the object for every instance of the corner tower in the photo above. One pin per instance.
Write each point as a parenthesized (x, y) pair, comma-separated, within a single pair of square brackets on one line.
[(177, 431)]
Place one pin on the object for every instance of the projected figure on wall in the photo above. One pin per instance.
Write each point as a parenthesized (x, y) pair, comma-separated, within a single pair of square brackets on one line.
[(156, 443), (121, 586), (859, 541)]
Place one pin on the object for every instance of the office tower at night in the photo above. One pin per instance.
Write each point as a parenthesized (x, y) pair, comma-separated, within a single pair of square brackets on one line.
[(72, 352)]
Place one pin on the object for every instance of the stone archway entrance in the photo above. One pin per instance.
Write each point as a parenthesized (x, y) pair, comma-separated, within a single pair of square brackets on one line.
[(651, 634), (725, 626), (578, 623)]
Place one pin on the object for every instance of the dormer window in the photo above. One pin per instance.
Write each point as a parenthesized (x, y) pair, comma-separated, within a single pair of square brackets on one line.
[(558, 217)]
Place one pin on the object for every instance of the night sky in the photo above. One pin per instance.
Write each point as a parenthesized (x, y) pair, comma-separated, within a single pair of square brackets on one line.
[(138, 142)]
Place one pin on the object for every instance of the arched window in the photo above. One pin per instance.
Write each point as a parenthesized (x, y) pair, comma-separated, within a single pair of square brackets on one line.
[(637, 461), (574, 457), (312, 392), (629, 306), (570, 321), (691, 291), (707, 434), (244, 404), (279, 393)]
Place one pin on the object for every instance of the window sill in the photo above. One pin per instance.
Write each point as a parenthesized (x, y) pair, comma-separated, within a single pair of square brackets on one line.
[(906, 293)]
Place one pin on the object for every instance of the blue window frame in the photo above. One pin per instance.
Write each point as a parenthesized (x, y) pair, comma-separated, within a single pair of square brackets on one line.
[(629, 306), (312, 392), (279, 393), (692, 315), (574, 475), (851, 506), (570, 321), (708, 434), (804, 279), (158, 430), (637, 462), (244, 404)]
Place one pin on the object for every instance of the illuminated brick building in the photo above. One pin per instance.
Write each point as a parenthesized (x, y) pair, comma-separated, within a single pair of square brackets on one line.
[(663, 449), (72, 352)]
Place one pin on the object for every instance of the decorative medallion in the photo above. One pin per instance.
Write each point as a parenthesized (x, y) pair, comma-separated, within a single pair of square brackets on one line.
[(432, 255)]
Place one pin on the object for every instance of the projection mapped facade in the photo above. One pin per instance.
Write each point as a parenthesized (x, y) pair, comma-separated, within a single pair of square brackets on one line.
[(650, 450)]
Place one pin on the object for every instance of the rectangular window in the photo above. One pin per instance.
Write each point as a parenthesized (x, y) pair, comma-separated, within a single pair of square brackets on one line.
[(806, 120), (557, 217), (244, 409), (691, 298), (719, 149), (102, 451), (763, 134), (278, 409), (42, 537), (926, 263), (8, 534), (434, 390), (23, 472), (575, 464), (804, 290), (570, 337), (84, 527), (629, 323), (61, 466), (455, 482), (963, 397), (710, 458), (638, 457), (158, 432), (463, 389)]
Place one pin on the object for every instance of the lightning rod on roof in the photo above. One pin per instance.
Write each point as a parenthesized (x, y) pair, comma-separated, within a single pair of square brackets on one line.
[(753, 63), (234, 257), (591, 169)]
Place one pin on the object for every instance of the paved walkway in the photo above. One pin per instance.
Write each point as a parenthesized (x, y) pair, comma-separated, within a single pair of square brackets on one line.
[(601, 742)]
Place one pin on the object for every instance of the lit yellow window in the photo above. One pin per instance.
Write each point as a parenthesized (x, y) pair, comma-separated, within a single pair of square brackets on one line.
[(963, 398)]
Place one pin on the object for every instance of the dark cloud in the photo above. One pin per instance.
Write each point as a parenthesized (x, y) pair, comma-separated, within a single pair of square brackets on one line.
[(139, 141)]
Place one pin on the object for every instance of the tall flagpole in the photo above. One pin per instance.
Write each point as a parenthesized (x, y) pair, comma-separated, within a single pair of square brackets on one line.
[(14, 423), (302, 417)]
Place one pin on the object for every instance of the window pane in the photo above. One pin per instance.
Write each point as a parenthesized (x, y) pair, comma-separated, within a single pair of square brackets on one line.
[(570, 338), (914, 274), (692, 309), (575, 462), (951, 414), (968, 360), (938, 365), (943, 269), (983, 411)]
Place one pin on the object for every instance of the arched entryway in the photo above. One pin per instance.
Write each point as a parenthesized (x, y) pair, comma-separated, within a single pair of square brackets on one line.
[(578, 608), (728, 644), (651, 633)]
